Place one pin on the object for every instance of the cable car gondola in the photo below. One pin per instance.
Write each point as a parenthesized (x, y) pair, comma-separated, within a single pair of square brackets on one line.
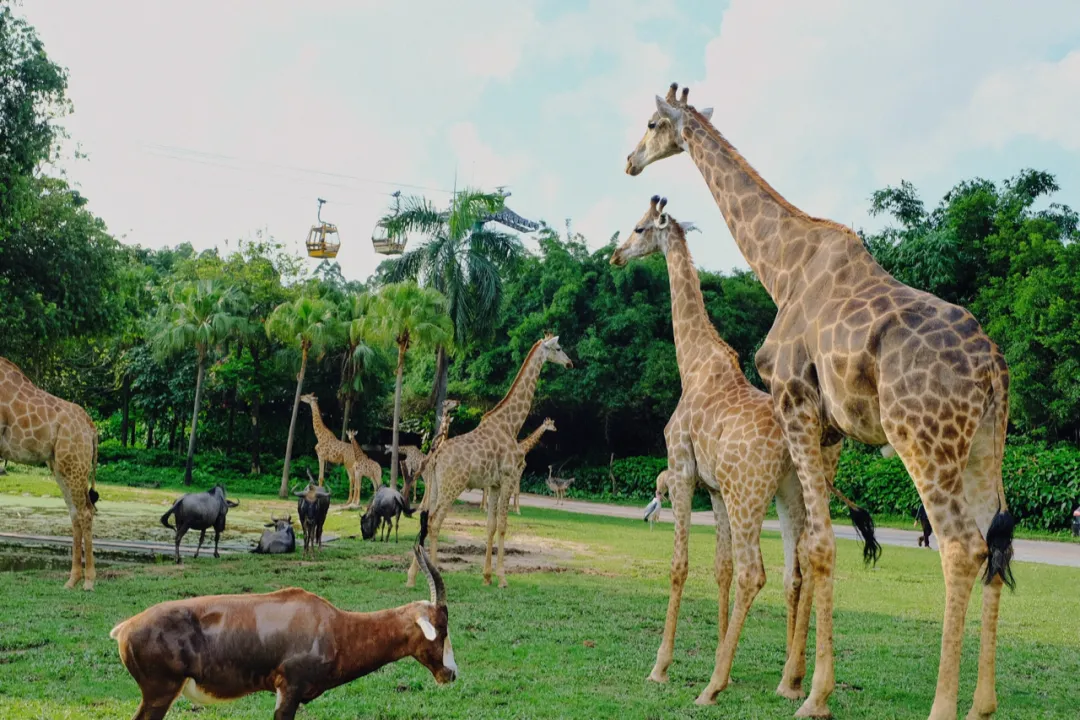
[(382, 241), (323, 240)]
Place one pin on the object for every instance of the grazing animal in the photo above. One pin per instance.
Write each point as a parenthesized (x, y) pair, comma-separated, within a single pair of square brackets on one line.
[(279, 540), (488, 457), (216, 648), (199, 511), (922, 519), (37, 428), (723, 434), (311, 508), (558, 486), (386, 507), (855, 353)]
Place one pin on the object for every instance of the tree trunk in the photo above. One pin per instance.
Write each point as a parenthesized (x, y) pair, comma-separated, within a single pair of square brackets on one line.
[(150, 433), (195, 419), (442, 370), (233, 396), (256, 400), (284, 490), (125, 400), (134, 423), (345, 421), (174, 425), (397, 416)]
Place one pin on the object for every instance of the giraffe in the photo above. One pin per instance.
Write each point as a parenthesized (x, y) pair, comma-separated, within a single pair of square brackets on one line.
[(853, 352), (524, 447), (331, 450), (414, 458), (362, 467), (488, 457), (723, 432), (37, 428)]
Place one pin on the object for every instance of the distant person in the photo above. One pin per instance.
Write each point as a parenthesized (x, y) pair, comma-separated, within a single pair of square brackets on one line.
[(1076, 522), (927, 529)]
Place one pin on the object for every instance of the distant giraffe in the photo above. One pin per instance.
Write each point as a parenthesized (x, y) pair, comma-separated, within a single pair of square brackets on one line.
[(525, 447), (328, 448), (363, 467), (37, 428), (487, 456), (413, 462)]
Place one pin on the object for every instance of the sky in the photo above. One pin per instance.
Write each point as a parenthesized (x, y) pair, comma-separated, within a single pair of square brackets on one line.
[(206, 121)]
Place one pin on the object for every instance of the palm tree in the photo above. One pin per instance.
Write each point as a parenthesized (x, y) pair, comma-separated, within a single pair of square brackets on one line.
[(357, 318), (202, 314), (409, 315), (308, 324), (462, 259)]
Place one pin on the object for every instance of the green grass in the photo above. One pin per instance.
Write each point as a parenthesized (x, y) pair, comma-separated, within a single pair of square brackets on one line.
[(575, 640)]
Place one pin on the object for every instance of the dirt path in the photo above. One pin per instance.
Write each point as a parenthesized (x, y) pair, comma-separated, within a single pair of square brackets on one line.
[(1037, 551)]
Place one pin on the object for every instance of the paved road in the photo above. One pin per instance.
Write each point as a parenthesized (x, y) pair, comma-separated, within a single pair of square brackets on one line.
[(1038, 551)]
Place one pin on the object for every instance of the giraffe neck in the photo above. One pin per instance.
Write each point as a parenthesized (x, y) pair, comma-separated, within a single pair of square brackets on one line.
[(316, 421), (696, 338), (512, 410), (530, 442), (754, 212)]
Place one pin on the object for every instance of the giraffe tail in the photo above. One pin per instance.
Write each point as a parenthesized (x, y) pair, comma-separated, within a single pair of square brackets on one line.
[(999, 536), (864, 527), (93, 493)]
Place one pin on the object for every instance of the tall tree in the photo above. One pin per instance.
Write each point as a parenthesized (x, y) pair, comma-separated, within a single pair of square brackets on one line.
[(308, 324), (358, 326), (462, 258), (410, 316), (200, 314)]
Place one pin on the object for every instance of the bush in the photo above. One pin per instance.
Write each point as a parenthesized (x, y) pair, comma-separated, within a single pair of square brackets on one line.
[(1042, 484)]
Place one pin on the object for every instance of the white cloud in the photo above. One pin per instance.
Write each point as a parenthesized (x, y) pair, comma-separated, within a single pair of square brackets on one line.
[(479, 165)]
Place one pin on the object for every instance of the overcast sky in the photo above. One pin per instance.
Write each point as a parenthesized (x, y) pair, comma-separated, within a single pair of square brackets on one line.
[(205, 121)]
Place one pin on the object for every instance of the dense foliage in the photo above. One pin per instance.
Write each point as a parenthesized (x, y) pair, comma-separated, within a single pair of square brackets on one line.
[(124, 330)]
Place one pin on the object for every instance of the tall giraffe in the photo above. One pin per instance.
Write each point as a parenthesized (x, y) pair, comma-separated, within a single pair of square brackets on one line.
[(854, 352), (488, 457), (330, 449), (362, 467), (37, 428), (723, 432), (524, 447)]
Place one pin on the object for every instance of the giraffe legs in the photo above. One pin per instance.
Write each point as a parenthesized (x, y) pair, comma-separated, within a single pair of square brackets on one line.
[(798, 589), (82, 523), (492, 519), (801, 423), (503, 509), (680, 489), (725, 649)]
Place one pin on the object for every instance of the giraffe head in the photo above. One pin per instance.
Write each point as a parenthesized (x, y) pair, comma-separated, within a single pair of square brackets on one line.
[(664, 131), (548, 425), (549, 346), (651, 233), (309, 398), (450, 406), (350, 434)]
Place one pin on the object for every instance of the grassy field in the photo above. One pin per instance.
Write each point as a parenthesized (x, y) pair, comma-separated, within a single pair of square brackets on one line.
[(573, 636)]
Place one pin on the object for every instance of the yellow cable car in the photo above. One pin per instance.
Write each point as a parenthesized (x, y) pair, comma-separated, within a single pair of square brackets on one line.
[(381, 239), (323, 240)]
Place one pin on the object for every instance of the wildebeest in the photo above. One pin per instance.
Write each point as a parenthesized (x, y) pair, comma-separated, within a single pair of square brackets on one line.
[(199, 511), (278, 540), (386, 506), (312, 507)]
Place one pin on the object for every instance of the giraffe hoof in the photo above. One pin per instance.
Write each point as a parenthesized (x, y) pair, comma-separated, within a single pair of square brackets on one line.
[(976, 714), (88, 586), (487, 579), (813, 709), (707, 697), (658, 676), (502, 583), (791, 692), (70, 583)]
